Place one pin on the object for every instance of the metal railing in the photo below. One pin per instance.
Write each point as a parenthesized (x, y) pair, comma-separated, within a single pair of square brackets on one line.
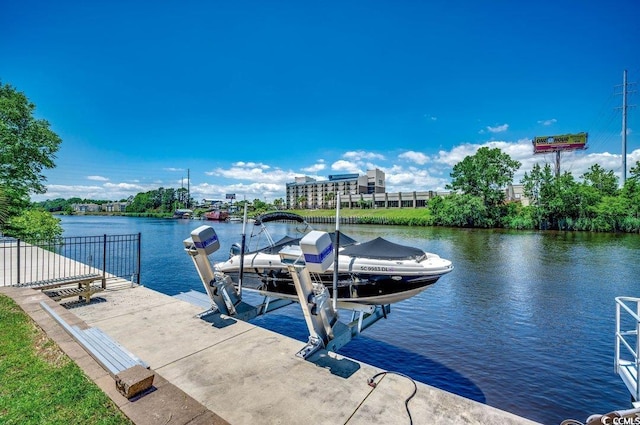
[(627, 362), (108, 255)]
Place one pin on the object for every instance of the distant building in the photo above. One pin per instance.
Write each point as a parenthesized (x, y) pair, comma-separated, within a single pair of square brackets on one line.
[(86, 208), (307, 192), (115, 206), (515, 193), (367, 191), (95, 208)]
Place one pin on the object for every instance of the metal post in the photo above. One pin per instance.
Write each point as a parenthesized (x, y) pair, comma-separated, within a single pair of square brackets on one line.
[(616, 365), (18, 261), (139, 251), (335, 258), (104, 261), (242, 247), (636, 396)]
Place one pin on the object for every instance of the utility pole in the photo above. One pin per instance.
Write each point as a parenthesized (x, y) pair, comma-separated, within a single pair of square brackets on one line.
[(188, 189), (625, 107), (624, 127)]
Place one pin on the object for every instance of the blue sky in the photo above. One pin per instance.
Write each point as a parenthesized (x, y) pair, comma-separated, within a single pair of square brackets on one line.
[(247, 95)]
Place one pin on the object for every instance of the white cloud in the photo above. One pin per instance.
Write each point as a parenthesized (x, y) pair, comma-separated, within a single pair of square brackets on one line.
[(173, 169), (97, 178), (412, 156), (253, 165), (346, 166), (498, 128), (130, 187), (362, 155), (548, 122), (253, 172), (319, 166), (413, 179)]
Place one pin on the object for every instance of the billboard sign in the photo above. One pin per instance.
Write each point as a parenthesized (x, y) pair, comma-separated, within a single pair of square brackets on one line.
[(564, 142), (231, 196)]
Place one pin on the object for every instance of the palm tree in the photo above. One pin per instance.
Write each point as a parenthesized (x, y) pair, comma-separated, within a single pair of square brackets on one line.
[(330, 197), (302, 200)]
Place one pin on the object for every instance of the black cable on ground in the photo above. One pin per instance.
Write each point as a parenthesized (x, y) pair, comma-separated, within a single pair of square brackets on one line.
[(373, 384)]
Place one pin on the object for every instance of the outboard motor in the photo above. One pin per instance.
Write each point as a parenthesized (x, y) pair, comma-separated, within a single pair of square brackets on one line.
[(235, 249)]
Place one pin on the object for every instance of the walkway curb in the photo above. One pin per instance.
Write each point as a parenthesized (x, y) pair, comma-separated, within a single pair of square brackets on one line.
[(165, 404)]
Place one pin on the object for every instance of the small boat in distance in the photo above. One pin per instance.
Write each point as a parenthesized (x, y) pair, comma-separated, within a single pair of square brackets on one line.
[(377, 272), (183, 213), (216, 215)]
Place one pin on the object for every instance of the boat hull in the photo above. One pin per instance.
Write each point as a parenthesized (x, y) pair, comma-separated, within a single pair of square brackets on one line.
[(216, 215), (362, 281), (374, 290)]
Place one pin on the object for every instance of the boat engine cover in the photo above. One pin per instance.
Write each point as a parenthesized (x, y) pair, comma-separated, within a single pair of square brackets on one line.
[(205, 238), (317, 249)]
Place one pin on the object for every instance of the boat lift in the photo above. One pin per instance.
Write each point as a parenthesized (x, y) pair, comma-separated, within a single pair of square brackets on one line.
[(627, 351), (320, 314)]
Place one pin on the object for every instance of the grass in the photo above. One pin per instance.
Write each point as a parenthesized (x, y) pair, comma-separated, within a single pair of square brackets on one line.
[(395, 216), (39, 383)]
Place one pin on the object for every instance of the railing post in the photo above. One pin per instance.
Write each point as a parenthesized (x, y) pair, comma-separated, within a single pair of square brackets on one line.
[(18, 261), (618, 336), (104, 262), (139, 249), (636, 396)]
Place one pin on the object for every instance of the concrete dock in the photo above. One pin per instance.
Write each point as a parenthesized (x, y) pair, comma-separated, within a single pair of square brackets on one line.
[(229, 371)]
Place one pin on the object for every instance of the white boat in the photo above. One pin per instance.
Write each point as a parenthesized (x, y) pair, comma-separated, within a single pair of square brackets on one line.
[(376, 272)]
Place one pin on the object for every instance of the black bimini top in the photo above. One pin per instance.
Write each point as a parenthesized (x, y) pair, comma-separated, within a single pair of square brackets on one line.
[(380, 248), (278, 216)]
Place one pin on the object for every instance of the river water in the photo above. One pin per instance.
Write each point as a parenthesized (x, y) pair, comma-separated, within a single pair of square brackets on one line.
[(525, 322)]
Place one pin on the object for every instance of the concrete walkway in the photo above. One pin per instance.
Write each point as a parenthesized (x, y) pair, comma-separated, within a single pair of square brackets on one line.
[(233, 372)]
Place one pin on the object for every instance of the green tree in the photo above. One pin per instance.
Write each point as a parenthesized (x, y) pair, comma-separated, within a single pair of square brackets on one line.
[(612, 210), (329, 198), (4, 209), (485, 174), (563, 201), (35, 225), (605, 182), (27, 147), (631, 191), (459, 210), (259, 205), (168, 199), (538, 187), (634, 172), (302, 202), (142, 202)]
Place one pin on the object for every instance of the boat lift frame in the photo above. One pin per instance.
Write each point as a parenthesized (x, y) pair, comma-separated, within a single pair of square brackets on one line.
[(320, 314), (627, 365)]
